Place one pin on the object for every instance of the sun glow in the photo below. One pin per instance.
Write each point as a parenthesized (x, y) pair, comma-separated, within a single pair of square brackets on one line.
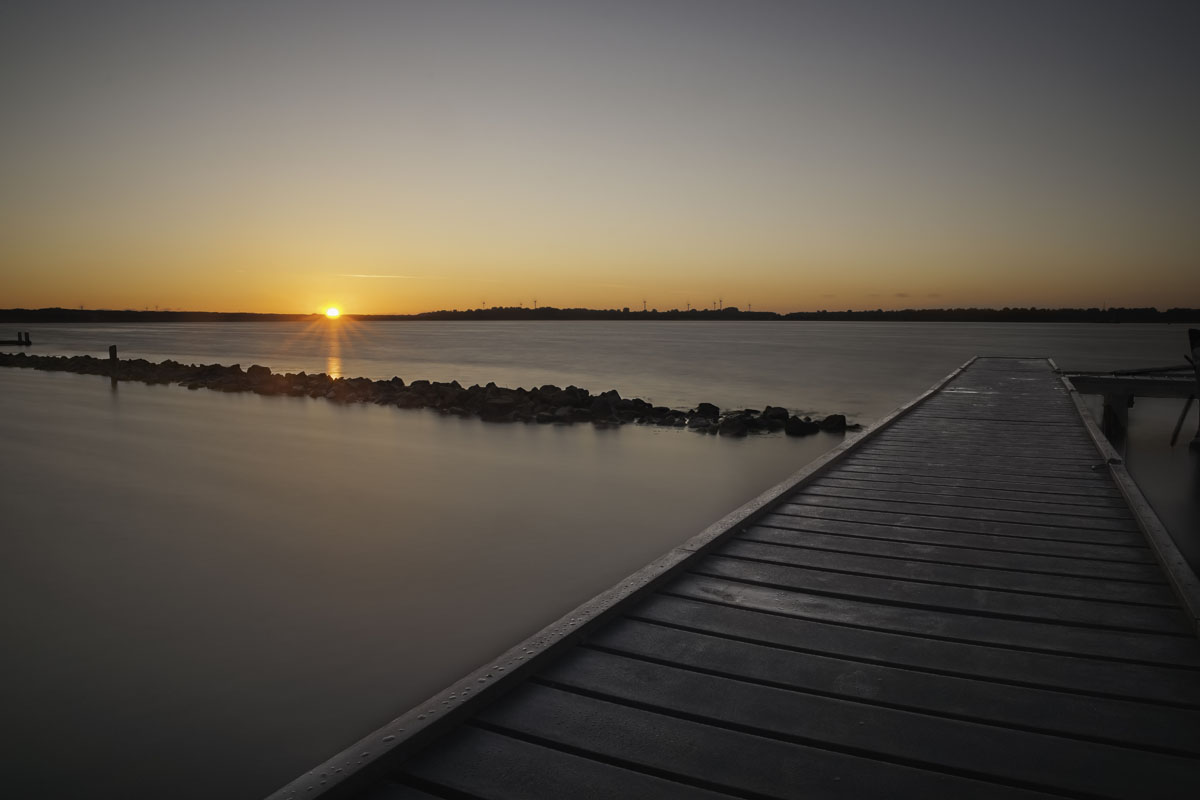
[(332, 312)]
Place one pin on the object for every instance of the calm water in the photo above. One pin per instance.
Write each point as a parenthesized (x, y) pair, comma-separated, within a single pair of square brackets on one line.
[(205, 594)]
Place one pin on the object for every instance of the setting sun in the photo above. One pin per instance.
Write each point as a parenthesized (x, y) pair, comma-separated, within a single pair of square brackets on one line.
[(332, 313)]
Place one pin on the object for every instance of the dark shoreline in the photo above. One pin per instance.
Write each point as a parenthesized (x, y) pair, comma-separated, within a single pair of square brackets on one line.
[(547, 404), (1087, 315)]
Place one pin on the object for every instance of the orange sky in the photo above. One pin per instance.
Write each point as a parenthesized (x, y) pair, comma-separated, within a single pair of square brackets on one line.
[(412, 157)]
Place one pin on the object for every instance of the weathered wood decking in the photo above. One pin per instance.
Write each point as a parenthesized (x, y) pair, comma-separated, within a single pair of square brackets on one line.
[(968, 602)]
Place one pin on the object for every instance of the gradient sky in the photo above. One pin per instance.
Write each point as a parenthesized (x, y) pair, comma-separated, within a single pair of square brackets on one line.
[(406, 156)]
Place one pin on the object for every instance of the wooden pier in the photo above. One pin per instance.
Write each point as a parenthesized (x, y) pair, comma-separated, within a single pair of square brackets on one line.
[(969, 600)]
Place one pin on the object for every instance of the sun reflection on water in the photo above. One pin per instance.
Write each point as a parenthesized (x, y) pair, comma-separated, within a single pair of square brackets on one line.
[(333, 359), (327, 335)]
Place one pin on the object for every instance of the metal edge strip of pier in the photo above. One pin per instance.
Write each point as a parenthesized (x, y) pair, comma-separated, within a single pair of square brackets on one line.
[(1179, 573), (354, 767)]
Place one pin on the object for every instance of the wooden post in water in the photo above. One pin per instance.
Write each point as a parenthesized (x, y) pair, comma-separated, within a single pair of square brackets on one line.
[(112, 363), (1194, 342), (1115, 419)]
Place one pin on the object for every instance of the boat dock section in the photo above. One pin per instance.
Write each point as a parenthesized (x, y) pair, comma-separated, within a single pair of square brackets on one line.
[(968, 600)]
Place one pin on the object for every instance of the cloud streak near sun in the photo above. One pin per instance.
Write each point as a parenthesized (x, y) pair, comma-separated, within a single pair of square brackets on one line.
[(359, 275)]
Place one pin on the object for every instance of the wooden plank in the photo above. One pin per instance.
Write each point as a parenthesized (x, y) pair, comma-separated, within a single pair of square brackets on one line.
[(976, 436), (1145, 574), (1052, 763), (1023, 456), (993, 431), (1000, 403), (490, 765), (1065, 673), (994, 471), (987, 446), (984, 577), (1033, 500), (999, 426), (997, 467), (1044, 451), (907, 594), (1047, 455), (803, 508), (930, 494), (869, 526), (863, 501), (1143, 648), (861, 490), (949, 479), (880, 529), (1119, 722), (999, 430), (999, 435), (742, 763), (1027, 416)]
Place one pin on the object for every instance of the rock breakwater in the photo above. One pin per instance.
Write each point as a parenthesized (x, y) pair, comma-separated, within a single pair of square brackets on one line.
[(544, 404)]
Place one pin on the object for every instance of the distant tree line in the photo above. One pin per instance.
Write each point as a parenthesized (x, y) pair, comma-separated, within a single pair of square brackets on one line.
[(1008, 315), (128, 315), (1171, 315)]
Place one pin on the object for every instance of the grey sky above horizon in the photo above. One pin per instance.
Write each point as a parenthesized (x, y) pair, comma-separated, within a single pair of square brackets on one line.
[(792, 155)]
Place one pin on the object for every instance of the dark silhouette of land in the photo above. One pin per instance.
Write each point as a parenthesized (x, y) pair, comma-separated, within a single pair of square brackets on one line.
[(1115, 315)]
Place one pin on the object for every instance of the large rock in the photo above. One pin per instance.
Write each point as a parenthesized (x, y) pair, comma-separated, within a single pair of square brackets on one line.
[(499, 409), (708, 411), (800, 427), (834, 422), (408, 400), (776, 413), (258, 373), (561, 398), (601, 406), (732, 426), (772, 423), (272, 384)]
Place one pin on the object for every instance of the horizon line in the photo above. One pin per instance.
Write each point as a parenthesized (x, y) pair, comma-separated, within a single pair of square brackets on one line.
[(624, 310)]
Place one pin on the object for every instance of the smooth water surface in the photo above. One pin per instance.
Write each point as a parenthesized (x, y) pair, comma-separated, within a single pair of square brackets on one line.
[(205, 594), (862, 369)]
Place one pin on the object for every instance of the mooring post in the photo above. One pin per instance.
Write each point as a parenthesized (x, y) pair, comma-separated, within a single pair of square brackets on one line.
[(112, 363), (1115, 419), (27, 339), (1194, 343)]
